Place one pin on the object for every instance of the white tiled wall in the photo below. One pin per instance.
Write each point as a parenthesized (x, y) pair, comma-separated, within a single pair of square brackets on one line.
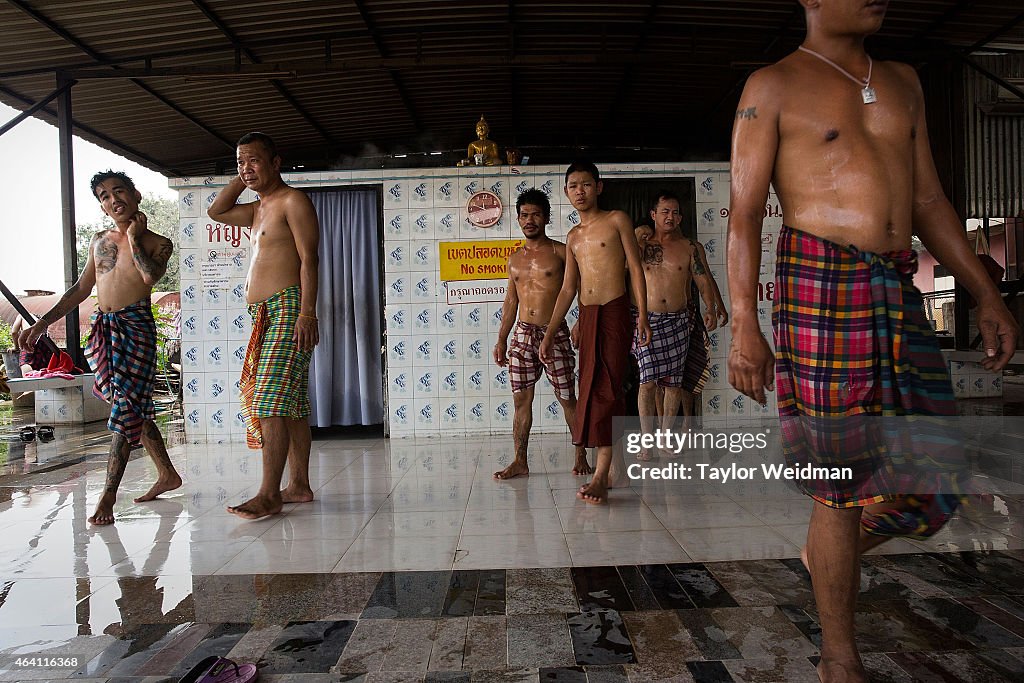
[(440, 376)]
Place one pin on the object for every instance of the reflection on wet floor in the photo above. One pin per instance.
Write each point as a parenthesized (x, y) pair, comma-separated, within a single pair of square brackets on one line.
[(414, 564)]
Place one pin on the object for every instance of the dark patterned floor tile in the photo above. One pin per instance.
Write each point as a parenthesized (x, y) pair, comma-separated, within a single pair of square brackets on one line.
[(980, 631), (941, 574), (182, 644), (709, 672), (539, 640), (408, 595), (447, 677), (491, 596), (666, 590), (759, 583), (449, 644), (878, 586), (567, 674), (701, 586), (462, 590), (1002, 572), (132, 649), (772, 670), (707, 634), (806, 624), (219, 641), (308, 647), (639, 592), (410, 648), (395, 677), (762, 632), (486, 643), (599, 637), (994, 608), (897, 628), (881, 669), (601, 588), (662, 645), (1003, 663), (506, 676), (540, 591), (606, 674), (342, 597), (945, 667), (367, 645)]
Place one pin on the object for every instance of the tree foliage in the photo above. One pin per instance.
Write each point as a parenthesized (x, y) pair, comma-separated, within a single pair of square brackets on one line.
[(163, 220)]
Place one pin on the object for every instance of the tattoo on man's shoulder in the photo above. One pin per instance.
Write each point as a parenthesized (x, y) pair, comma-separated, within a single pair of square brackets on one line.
[(698, 266), (748, 113)]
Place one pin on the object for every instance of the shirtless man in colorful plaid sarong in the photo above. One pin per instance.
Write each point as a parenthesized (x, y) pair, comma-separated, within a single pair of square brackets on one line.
[(124, 263), (671, 263), (535, 273), (844, 141), (281, 289)]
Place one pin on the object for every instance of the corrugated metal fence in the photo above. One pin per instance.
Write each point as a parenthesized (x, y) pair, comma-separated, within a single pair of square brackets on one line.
[(994, 138)]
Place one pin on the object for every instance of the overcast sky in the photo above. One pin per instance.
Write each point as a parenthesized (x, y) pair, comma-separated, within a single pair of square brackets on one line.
[(30, 236)]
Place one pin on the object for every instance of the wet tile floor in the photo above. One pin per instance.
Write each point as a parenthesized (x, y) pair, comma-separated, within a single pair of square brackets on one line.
[(414, 565)]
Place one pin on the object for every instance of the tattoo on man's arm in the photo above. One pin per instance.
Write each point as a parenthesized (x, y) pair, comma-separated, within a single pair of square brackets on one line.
[(698, 267), (748, 113), (62, 307), (154, 266)]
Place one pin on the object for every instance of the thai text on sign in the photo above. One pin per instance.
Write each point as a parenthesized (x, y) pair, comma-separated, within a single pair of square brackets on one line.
[(483, 260)]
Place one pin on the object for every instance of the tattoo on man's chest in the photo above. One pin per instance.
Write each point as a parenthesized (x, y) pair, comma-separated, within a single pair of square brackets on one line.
[(654, 254), (106, 256)]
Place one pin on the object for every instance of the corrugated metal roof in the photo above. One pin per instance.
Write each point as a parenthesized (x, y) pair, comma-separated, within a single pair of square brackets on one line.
[(605, 73)]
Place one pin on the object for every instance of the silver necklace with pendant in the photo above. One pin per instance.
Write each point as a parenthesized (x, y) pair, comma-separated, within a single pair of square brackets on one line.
[(867, 93)]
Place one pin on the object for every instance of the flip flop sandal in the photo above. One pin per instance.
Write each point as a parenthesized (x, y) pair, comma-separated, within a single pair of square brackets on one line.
[(27, 434), (220, 670), (45, 433)]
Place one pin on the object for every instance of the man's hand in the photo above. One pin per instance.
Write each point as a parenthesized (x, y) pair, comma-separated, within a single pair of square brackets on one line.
[(643, 326), (501, 354), (723, 316), (137, 225), (751, 363), (26, 339), (574, 335), (999, 334), (710, 319), (544, 351), (307, 332)]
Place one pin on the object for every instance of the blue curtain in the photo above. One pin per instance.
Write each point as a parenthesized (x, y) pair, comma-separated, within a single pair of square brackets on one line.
[(345, 376)]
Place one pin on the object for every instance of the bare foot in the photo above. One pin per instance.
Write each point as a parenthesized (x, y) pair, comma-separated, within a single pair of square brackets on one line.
[(582, 466), (644, 455), (842, 672), (257, 507), (516, 469), (162, 485), (104, 514), (296, 494), (595, 493)]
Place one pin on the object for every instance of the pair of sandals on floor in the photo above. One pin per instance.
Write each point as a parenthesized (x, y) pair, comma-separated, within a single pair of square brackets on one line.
[(29, 433)]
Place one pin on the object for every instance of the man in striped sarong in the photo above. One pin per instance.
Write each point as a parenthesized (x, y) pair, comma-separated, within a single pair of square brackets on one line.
[(671, 264), (281, 288), (855, 178), (124, 263)]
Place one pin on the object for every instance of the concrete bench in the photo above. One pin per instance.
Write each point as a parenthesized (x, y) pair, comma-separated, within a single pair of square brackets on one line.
[(63, 401)]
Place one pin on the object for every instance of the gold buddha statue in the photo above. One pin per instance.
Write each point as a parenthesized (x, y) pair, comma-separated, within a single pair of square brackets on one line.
[(483, 152)]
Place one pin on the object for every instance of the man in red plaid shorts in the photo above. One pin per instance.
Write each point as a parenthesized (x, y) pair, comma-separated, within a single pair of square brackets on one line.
[(535, 273)]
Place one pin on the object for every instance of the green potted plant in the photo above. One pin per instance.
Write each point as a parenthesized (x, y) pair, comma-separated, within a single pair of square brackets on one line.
[(10, 354)]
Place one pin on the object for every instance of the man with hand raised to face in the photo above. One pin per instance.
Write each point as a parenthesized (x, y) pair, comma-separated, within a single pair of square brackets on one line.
[(281, 288), (124, 263)]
